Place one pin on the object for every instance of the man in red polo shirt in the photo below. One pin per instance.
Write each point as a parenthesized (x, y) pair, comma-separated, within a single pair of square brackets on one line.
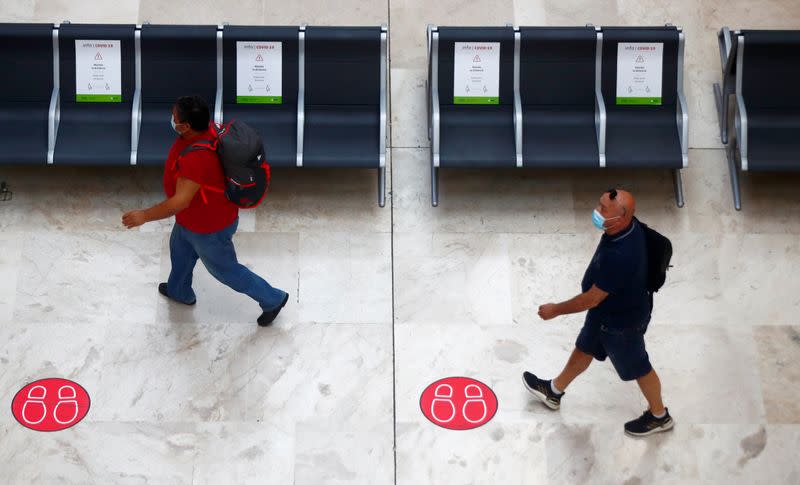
[(205, 220)]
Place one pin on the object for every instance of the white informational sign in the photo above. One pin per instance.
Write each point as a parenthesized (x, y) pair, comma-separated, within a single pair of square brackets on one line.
[(98, 71), (476, 78), (259, 72), (639, 71)]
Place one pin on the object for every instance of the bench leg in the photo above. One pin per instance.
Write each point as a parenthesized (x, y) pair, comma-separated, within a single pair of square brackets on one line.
[(5, 193), (722, 112), (382, 186), (730, 153), (678, 183), (434, 186)]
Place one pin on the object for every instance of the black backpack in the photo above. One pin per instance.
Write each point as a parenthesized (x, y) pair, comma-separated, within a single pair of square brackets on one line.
[(659, 253), (241, 153)]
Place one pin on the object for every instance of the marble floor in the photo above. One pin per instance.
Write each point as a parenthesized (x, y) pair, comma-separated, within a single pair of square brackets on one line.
[(386, 301)]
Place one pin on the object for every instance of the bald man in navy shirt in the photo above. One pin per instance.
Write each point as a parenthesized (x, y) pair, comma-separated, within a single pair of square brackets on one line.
[(618, 305)]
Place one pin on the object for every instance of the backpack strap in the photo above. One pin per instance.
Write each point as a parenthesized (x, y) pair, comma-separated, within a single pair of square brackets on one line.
[(203, 145), (210, 145)]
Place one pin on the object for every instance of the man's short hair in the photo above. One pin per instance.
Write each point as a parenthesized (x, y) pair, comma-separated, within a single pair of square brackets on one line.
[(193, 110)]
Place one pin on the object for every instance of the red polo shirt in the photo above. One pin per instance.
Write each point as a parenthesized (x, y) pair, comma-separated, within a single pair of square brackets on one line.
[(214, 213)]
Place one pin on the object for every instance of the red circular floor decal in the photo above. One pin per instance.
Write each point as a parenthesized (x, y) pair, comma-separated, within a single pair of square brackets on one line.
[(458, 403), (50, 404)]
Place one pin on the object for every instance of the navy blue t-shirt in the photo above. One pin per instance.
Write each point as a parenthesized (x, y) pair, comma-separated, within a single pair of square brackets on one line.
[(619, 267)]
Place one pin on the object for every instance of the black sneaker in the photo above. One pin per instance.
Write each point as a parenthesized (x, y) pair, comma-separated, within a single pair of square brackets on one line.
[(648, 424), (541, 389), (162, 288), (268, 317)]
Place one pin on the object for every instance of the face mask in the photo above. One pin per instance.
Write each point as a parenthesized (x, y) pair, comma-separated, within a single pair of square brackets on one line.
[(599, 221), (172, 122)]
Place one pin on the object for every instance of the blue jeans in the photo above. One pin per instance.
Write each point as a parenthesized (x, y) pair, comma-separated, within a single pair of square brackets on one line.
[(217, 253)]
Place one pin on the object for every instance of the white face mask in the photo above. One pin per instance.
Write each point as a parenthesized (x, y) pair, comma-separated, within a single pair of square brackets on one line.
[(174, 126)]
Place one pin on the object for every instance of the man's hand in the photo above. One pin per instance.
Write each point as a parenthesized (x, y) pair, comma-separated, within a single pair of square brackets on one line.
[(134, 219), (548, 311)]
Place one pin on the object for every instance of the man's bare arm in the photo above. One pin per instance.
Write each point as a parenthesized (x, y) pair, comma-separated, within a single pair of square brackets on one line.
[(581, 303), (185, 191)]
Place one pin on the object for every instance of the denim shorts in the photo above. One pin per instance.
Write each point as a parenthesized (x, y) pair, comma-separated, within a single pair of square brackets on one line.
[(624, 347)]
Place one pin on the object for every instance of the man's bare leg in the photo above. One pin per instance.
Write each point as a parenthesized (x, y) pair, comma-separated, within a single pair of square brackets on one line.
[(577, 363), (650, 385)]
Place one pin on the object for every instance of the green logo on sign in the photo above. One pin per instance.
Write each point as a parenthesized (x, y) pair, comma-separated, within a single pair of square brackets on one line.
[(639, 101), (98, 98), (259, 99), (475, 100)]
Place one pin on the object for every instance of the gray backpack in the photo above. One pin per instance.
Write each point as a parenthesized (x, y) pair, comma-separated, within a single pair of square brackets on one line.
[(241, 153)]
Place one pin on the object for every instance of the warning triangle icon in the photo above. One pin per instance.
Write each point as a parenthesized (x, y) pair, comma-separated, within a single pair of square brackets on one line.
[(98, 57), (259, 58), (476, 59)]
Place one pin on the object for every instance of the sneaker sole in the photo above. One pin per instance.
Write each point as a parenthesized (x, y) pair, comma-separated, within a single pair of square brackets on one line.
[(660, 429), (541, 396)]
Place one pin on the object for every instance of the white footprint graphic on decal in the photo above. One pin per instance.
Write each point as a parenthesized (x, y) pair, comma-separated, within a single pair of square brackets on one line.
[(445, 401), (476, 404), (34, 409), (68, 404)]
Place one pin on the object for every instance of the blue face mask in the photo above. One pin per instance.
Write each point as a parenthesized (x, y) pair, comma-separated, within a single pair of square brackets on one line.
[(599, 221)]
